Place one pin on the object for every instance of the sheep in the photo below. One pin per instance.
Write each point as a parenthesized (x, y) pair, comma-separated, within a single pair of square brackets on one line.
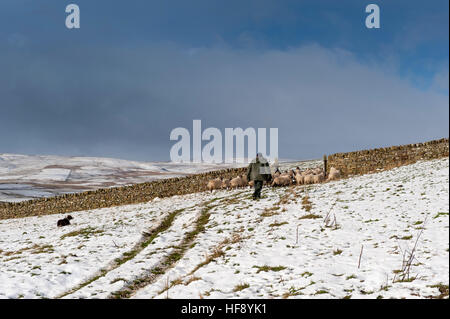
[(285, 174), (251, 183), (334, 174), (276, 173), (214, 184), (297, 170), (308, 179), (276, 181), (281, 181), (236, 182), (291, 173), (318, 178), (225, 183), (287, 180), (317, 171), (307, 172), (332, 170), (299, 179)]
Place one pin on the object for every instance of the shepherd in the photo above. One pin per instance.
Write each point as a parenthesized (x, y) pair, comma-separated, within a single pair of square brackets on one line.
[(258, 171)]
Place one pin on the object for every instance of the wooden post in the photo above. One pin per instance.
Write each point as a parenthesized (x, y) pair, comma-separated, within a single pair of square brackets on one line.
[(325, 165)]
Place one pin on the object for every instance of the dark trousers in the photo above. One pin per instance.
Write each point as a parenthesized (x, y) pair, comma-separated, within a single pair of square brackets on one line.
[(258, 188)]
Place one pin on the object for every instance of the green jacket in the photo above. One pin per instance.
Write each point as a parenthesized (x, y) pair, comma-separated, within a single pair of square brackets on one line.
[(258, 170)]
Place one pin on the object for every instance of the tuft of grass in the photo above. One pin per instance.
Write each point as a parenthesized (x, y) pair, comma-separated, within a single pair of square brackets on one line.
[(293, 292), (306, 274), (241, 287), (117, 280), (306, 203), (440, 214), (337, 252), (85, 232), (402, 238), (44, 249), (191, 279), (269, 212), (310, 216), (277, 224), (410, 279), (362, 291), (268, 268), (371, 220)]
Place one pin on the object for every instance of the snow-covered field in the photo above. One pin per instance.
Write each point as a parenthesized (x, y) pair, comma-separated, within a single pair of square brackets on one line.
[(340, 239)]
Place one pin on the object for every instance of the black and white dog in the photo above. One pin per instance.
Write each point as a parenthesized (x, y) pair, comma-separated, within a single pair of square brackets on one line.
[(64, 221)]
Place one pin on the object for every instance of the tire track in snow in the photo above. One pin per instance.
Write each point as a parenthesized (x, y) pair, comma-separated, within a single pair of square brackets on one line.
[(146, 239), (150, 276)]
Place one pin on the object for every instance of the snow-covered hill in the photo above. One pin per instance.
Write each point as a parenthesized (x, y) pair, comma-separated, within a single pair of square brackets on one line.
[(24, 177), (343, 239)]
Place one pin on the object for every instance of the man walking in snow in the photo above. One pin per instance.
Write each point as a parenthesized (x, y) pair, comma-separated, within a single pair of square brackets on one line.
[(258, 171)]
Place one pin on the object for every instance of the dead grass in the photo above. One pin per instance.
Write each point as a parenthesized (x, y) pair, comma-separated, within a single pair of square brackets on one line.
[(85, 232), (241, 287), (278, 224), (268, 268), (443, 289), (306, 203), (310, 216)]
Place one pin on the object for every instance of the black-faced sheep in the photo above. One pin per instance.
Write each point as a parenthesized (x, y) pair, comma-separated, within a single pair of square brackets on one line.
[(225, 183)]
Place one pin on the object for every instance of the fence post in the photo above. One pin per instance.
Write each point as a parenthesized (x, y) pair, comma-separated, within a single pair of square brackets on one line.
[(325, 165)]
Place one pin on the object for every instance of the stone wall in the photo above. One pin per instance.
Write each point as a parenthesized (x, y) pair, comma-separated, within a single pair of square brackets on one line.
[(353, 163), (115, 196), (370, 161)]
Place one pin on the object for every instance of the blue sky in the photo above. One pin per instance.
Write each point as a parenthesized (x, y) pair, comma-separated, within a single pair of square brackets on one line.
[(137, 69)]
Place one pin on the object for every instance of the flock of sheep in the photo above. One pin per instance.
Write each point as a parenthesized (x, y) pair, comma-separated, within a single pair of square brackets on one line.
[(297, 176)]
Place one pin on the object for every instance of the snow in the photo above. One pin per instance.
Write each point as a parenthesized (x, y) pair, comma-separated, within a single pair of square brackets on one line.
[(271, 252)]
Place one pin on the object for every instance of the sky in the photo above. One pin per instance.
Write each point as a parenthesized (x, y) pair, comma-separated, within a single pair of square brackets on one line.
[(137, 69)]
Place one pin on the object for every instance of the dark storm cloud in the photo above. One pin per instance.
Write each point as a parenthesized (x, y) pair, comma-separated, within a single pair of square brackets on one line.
[(121, 102)]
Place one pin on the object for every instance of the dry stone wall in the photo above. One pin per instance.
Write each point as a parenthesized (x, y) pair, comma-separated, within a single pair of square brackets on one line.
[(370, 161), (108, 197), (353, 163)]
